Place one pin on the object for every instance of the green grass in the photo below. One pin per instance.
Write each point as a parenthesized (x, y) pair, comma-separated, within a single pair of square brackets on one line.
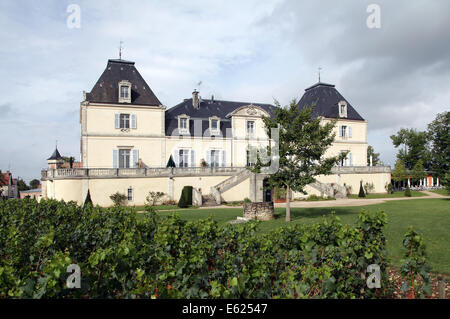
[(431, 217), (384, 195), (442, 192), (165, 207)]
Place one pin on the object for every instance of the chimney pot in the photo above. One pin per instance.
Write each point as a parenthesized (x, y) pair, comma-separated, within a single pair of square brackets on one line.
[(195, 101)]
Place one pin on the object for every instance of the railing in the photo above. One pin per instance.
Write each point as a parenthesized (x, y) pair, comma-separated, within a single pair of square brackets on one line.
[(68, 173), (360, 169)]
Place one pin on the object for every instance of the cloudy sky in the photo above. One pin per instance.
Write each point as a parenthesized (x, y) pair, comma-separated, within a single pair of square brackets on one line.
[(246, 50)]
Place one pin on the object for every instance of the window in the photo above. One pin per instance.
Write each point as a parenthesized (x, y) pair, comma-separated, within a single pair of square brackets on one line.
[(250, 160), (124, 158), (124, 121), (183, 158), (214, 125), (183, 124), (214, 159), (343, 131), (130, 194), (342, 109), (250, 127), (124, 92)]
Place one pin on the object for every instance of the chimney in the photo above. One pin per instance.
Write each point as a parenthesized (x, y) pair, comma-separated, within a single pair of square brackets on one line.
[(195, 101), (212, 98)]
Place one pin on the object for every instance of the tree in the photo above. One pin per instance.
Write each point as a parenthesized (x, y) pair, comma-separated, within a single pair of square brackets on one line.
[(375, 156), (418, 171), (88, 200), (301, 146), (118, 199), (35, 183), (399, 172), (413, 146), (439, 136), (154, 197), (361, 190), (407, 191), (22, 185)]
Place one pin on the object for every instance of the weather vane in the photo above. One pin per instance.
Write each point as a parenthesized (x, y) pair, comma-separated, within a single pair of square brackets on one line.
[(319, 72)]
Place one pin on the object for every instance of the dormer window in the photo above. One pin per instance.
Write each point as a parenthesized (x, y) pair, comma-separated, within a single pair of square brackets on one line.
[(214, 125), (342, 109), (124, 92), (183, 124)]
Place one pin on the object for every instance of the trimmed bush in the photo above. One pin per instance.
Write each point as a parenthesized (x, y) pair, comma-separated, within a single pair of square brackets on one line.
[(88, 199), (186, 197), (118, 199), (407, 191), (361, 190)]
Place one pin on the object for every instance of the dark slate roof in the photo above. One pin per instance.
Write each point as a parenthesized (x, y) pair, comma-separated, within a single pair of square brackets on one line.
[(106, 90), (207, 109), (55, 155), (325, 97)]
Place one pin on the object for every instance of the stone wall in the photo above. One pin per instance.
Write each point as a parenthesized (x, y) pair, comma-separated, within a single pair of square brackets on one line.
[(258, 211)]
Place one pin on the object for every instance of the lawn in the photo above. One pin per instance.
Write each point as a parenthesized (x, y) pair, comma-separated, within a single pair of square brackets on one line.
[(441, 191), (384, 195), (431, 217)]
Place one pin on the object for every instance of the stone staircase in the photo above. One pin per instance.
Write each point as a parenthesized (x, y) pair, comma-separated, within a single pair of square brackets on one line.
[(208, 200), (330, 189), (217, 190)]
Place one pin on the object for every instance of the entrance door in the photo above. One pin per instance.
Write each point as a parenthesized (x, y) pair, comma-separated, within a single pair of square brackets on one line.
[(267, 195)]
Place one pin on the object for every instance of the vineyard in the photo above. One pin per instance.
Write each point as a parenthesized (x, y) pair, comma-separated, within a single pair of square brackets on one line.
[(121, 256)]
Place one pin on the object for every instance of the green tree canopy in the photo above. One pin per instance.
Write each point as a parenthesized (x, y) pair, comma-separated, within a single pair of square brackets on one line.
[(399, 172), (413, 145), (22, 185), (302, 143), (35, 183), (439, 135), (375, 156), (418, 171)]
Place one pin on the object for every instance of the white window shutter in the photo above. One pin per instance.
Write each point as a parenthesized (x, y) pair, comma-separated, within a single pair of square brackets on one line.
[(351, 159), (340, 130), (208, 157), (223, 159), (349, 131), (117, 120), (192, 158), (115, 158), (176, 158), (135, 158), (133, 121)]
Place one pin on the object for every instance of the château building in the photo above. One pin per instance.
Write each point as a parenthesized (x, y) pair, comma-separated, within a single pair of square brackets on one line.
[(131, 143)]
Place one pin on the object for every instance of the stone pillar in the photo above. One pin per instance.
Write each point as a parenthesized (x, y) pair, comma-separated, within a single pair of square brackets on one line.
[(170, 192)]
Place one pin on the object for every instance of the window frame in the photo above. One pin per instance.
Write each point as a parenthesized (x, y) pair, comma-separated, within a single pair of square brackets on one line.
[(252, 133), (123, 158), (125, 84), (342, 109), (183, 130)]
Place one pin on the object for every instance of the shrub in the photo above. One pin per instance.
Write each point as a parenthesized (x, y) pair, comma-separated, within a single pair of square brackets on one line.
[(313, 197), (348, 189), (368, 187), (407, 191), (166, 257), (118, 199), (154, 197), (415, 269), (361, 191), (247, 200), (186, 197), (389, 188)]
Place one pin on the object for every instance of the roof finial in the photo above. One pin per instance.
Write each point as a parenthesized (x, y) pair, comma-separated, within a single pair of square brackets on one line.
[(120, 50), (319, 72), (56, 144)]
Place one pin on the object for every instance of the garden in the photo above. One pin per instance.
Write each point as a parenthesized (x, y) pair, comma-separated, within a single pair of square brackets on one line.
[(125, 254)]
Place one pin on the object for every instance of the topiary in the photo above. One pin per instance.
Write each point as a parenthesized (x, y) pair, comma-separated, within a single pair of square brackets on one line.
[(88, 199), (361, 190), (186, 197), (407, 191)]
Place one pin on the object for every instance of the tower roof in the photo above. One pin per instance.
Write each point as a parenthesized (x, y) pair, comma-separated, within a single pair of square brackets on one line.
[(55, 155), (106, 90), (325, 97)]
